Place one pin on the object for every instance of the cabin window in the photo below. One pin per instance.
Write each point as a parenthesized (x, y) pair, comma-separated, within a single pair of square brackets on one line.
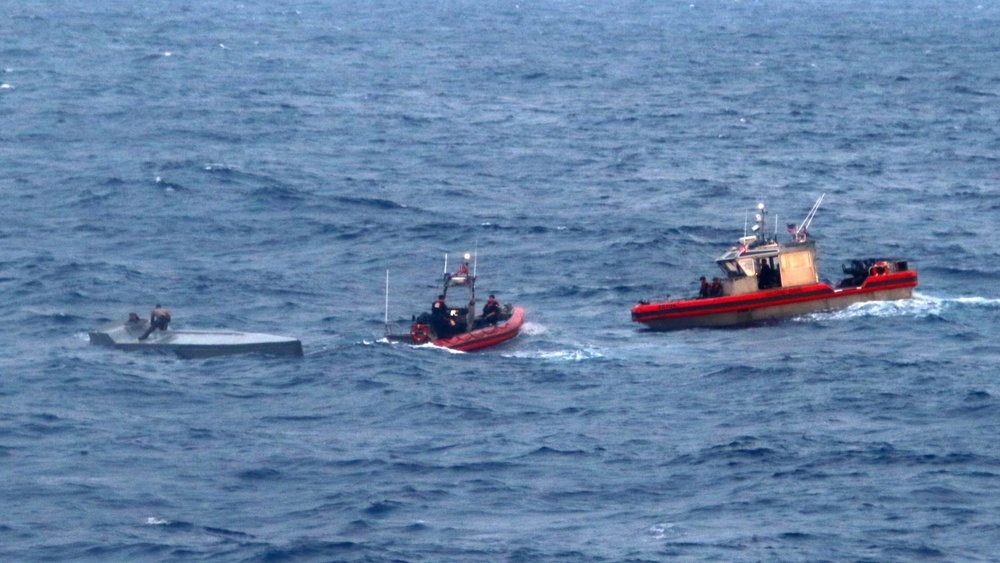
[(747, 264), (730, 268)]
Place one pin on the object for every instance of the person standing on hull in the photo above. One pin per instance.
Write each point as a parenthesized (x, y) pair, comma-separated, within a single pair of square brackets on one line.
[(159, 319)]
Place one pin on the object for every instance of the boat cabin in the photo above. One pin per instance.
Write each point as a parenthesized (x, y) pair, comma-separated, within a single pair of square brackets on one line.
[(761, 263), (459, 319)]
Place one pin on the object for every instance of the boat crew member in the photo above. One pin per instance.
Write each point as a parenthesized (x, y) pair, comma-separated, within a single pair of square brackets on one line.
[(159, 318), (704, 291), (439, 308), (439, 317), (491, 310), (715, 290), (463, 269), (765, 278)]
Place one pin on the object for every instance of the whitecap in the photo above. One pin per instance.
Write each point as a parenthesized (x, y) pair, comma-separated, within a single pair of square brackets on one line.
[(533, 329), (660, 530), (978, 301), (580, 355), (152, 521)]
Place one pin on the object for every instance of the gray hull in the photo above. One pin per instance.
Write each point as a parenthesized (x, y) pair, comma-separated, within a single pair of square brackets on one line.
[(195, 343)]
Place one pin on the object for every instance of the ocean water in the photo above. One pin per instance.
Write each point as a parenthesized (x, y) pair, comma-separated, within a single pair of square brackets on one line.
[(260, 166)]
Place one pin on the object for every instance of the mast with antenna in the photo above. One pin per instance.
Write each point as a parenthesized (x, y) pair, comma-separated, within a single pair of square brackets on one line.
[(800, 233), (386, 302)]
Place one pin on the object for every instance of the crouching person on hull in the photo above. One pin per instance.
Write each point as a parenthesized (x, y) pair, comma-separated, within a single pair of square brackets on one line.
[(159, 319)]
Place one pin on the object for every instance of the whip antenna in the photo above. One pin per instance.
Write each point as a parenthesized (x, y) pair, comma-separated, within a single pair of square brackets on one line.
[(387, 298), (809, 217)]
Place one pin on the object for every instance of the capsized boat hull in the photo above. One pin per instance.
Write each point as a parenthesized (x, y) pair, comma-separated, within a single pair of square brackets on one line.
[(486, 336), (772, 304), (194, 343)]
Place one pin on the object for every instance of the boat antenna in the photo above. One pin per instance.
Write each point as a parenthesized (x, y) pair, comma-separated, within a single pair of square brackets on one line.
[(809, 218), (475, 258), (746, 219), (446, 263), (387, 301)]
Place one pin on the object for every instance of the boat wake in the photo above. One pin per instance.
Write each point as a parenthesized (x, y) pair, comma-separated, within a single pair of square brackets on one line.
[(920, 306), (425, 345), (533, 329)]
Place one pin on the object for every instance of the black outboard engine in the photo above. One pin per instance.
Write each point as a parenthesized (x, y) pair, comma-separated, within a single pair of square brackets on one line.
[(857, 271)]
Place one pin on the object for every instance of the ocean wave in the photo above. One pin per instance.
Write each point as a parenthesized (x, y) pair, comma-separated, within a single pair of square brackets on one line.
[(376, 203), (277, 195), (558, 356), (232, 174)]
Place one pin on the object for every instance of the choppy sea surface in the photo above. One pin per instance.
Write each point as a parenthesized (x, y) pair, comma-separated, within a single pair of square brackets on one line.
[(260, 166)]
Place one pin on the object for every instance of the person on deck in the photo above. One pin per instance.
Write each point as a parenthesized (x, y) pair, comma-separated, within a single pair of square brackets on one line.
[(703, 291), (491, 310), (715, 290), (159, 318), (463, 270), (765, 278), (439, 317)]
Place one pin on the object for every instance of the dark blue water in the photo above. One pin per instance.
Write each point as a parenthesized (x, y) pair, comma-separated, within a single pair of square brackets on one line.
[(260, 166)]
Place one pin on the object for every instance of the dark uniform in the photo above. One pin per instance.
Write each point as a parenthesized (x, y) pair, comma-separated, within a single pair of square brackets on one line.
[(715, 290), (439, 317), (491, 311), (703, 291)]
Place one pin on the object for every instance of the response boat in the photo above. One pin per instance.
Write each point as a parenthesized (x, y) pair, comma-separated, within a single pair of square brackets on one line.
[(459, 328), (765, 279), (124, 335)]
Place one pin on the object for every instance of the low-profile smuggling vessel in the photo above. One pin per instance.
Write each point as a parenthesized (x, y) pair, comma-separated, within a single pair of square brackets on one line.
[(459, 328), (134, 334), (765, 279)]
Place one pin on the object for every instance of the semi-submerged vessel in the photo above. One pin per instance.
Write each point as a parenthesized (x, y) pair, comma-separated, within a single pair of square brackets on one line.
[(460, 328), (764, 280), (125, 335)]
